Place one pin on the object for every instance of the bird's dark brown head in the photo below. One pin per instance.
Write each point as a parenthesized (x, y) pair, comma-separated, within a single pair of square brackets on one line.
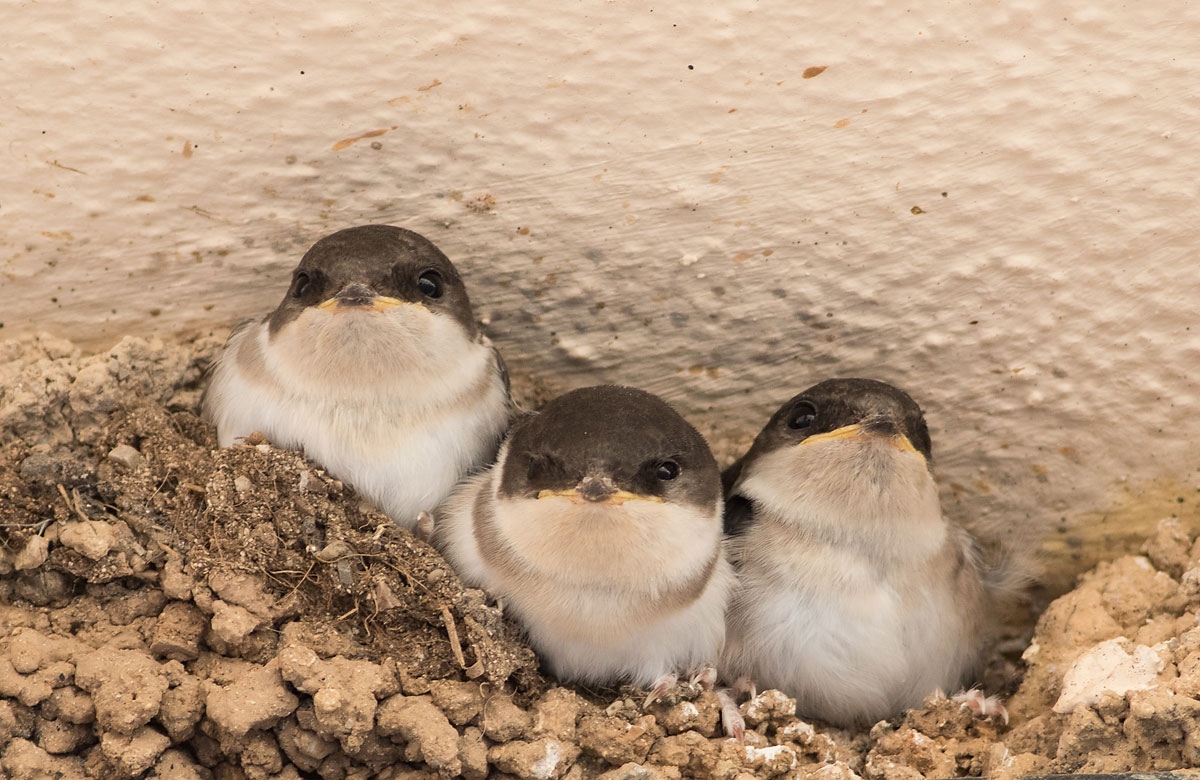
[(836, 409), (835, 404), (609, 444), (372, 267)]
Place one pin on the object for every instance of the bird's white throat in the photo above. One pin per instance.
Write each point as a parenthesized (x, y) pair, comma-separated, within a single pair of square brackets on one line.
[(860, 492), (406, 350), (638, 544)]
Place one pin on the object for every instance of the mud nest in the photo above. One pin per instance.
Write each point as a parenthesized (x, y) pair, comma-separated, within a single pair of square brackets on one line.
[(171, 610)]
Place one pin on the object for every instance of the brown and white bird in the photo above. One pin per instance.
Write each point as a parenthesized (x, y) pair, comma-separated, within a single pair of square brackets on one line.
[(373, 365), (599, 527), (856, 595)]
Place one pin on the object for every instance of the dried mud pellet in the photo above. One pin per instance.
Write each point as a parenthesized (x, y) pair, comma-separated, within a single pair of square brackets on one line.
[(260, 755), (304, 748), (22, 758), (178, 631), (768, 706), (60, 737), (176, 582), (616, 740), (33, 554), (634, 771), (555, 714), (460, 701), (473, 754), (231, 623), (838, 771), (770, 761), (26, 651), (257, 699), (430, 737), (127, 687), (689, 751), (90, 538), (244, 590), (182, 706), (69, 704), (176, 764), (502, 719), (541, 759), (132, 754), (702, 715), (1168, 547)]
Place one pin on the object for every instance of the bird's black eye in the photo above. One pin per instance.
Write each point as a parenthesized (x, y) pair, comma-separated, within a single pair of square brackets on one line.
[(300, 285), (667, 470), (802, 416), (430, 284)]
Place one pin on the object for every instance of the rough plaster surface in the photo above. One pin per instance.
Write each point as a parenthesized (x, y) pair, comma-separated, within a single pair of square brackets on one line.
[(991, 205)]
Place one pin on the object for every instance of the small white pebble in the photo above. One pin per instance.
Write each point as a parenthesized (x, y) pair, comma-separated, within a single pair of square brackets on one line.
[(242, 484), (779, 758), (798, 731), (34, 554), (543, 768), (126, 456), (1107, 667)]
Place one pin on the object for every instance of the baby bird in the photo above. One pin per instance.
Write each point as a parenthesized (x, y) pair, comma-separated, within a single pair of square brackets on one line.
[(856, 595), (373, 365), (599, 527)]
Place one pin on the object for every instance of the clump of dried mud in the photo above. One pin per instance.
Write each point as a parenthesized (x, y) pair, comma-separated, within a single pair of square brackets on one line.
[(171, 610)]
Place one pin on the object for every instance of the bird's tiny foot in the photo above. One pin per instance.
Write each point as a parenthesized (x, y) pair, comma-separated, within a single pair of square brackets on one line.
[(732, 722), (661, 686), (982, 706), (706, 678), (424, 529)]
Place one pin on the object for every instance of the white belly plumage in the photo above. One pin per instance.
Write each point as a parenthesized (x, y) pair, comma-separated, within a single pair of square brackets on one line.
[(402, 441)]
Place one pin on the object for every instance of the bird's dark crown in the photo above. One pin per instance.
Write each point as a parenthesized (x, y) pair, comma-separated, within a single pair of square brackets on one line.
[(389, 261), (836, 403), (627, 435), (827, 406)]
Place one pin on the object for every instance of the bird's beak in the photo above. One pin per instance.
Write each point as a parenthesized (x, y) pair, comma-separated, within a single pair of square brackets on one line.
[(845, 432), (358, 297), (596, 490), (881, 428)]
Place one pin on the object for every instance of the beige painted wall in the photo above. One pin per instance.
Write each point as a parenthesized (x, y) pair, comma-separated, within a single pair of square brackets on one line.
[(993, 205)]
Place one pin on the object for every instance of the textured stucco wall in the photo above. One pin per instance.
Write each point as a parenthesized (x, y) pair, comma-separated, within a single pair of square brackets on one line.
[(993, 205)]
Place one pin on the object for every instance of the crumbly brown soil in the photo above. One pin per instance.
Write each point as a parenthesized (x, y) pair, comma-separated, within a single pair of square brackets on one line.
[(172, 610)]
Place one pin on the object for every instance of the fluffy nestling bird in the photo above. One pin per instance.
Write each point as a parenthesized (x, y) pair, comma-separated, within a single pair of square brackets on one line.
[(599, 527), (856, 595), (373, 365)]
